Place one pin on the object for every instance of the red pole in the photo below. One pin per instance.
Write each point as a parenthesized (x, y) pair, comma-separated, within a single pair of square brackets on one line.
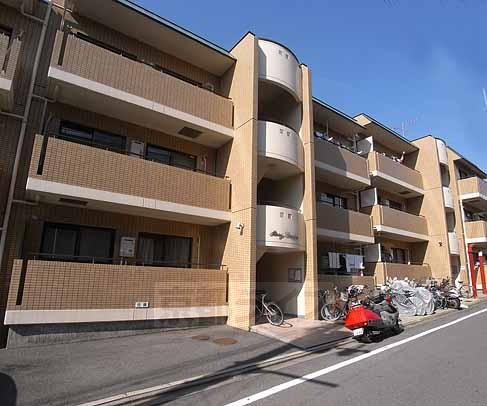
[(482, 273), (473, 273)]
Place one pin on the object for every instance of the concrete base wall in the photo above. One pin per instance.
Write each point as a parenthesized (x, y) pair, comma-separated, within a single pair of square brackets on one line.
[(45, 334)]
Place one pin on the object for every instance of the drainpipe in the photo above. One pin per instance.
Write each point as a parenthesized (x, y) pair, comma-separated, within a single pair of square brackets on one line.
[(467, 248), (23, 128)]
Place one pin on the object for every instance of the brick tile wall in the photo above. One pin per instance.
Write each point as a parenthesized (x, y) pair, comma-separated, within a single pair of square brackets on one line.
[(81, 165), (56, 285), (95, 63)]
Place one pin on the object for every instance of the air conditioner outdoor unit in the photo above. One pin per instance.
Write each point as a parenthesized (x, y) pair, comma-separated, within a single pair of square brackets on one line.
[(209, 86)]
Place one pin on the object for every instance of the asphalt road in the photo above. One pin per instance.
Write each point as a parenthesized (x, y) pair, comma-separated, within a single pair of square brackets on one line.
[(443, 367)]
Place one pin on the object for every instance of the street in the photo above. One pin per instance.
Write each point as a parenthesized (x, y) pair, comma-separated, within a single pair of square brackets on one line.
[(442, 367)]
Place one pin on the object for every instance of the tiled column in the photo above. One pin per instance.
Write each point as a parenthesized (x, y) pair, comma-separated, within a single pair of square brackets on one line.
[(309, 201)]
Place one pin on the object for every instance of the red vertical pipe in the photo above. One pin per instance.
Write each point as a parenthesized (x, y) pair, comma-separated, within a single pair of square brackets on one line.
[(482, 273), (473, 273)]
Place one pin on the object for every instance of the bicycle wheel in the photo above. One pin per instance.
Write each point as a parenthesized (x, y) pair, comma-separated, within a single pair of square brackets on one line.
[(331, 312), (465, 292), (274, 314)]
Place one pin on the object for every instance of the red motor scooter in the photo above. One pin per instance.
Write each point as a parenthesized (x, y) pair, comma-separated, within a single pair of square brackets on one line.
[(372, 317)]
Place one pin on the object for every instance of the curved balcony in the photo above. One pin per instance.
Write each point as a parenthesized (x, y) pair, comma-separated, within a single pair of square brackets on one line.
[(280, 150), (442, 152), (278, 65), (448, 198), (280, 229)]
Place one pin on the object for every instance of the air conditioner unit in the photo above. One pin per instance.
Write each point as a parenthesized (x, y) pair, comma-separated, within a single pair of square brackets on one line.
[(137, 148), (209, 86)]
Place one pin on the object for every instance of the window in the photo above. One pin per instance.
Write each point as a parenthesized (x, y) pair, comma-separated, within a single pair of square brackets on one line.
[(399, 256), (164, 250), (390, 203), (169, 157), (332, 200), (395, 205), (89, 136), (463, 174), (77, 243)]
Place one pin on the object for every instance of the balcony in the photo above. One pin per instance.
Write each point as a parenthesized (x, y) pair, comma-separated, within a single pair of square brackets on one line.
[(442, 152), (280, 229), (394, 177), (9, 56), (278, 65), (280, 151), (384, 270), (340, 167), (93, 78), (67, 292), (66, 172), (474, 192), (335, 223), (399, 225), (448, 199), (476, 232), (453, 243)]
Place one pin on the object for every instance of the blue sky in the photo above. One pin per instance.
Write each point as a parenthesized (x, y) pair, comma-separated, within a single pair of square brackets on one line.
[(423, 62)]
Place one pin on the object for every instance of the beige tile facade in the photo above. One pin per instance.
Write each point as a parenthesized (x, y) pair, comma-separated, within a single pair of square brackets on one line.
[(355, 189)]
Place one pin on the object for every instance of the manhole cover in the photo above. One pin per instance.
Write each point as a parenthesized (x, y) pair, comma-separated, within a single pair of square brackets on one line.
[(225, 341), (201, 338)]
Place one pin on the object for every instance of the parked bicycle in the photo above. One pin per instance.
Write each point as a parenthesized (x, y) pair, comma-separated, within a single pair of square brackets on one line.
[(336, 304), (270, 310)]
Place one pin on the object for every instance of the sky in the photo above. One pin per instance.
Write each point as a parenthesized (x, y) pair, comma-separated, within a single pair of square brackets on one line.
[(418, 62)]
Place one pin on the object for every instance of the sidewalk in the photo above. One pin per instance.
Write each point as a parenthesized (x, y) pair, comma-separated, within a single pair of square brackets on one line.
[(79, 372)]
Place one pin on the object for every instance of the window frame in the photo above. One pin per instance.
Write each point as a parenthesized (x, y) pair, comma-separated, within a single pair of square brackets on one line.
[(164, 237), (92, 131), (77, 228), (171, 153), (334, 200)]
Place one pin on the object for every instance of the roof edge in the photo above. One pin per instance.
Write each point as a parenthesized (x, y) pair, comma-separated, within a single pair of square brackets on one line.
[(161, 20), (341, 113)]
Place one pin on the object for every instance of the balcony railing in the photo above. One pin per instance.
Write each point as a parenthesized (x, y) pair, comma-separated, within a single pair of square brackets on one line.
[(348, 224), (341, 161), (9, 56), (88, 60), (64, 286), (388, 220), (384, 270), (80, 165), (476, 230), (380, 165), (473, 186)]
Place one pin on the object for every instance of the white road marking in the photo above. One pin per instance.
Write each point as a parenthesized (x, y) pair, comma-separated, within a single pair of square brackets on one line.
[(287, 385)]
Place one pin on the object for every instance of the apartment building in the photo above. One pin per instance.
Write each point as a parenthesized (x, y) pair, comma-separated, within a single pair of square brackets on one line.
[(151, 179)]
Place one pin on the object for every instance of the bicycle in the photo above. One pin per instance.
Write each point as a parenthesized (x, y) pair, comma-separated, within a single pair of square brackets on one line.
[(269, 309), (337, 306)]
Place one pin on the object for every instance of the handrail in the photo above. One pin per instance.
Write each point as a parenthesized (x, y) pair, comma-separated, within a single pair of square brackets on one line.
[(393, 160), (42, 256), (338, 145), (402, 211), (128, 153)]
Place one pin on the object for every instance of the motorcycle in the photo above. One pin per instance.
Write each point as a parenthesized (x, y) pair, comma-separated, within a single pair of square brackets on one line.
[(452, 297), (372, 317)]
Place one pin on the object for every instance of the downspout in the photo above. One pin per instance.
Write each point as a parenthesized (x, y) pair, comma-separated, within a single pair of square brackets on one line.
[(23, 128), (467, 258)]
